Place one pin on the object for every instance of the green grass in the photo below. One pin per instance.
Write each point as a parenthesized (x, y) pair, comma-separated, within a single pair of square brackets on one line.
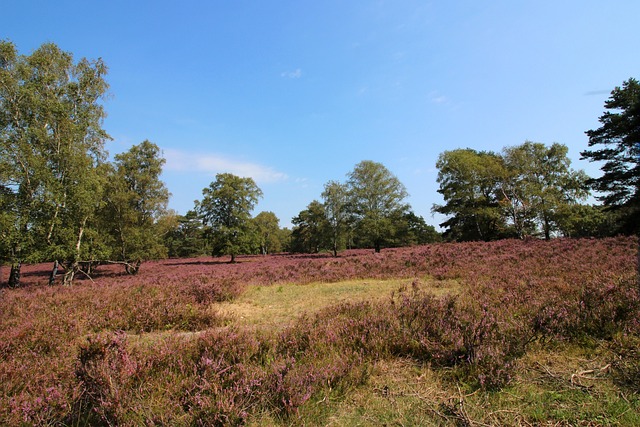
[(276, 306)]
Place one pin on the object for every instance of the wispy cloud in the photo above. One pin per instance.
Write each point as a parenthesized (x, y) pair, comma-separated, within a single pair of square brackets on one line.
[(180, 161), (597, 92), (295, 74), (438, 98)]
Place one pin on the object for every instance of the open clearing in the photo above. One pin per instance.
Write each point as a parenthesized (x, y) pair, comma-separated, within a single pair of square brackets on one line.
[(277, 306)]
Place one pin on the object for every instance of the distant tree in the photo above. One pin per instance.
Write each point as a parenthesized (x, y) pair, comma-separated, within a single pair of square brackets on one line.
[(284, 237), (376, 196), (413, 230), (578, 220), (336, 203), (469, 183), (310, 229), (267, 231), (543, 182), (617, 144), (135, 199), (187, 238), (51, 148), (226, 208)]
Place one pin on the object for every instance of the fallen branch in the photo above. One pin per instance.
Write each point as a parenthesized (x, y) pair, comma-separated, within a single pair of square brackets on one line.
[(588, 375)]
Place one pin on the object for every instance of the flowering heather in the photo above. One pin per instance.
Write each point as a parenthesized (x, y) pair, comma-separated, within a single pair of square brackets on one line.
[(153, 349)]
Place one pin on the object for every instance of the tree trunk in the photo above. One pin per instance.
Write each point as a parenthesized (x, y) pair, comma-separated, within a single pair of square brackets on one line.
[(132, 268), (377, 246), (233, 259), (54, 273), (14, 275), (74, 266), (70, 271)]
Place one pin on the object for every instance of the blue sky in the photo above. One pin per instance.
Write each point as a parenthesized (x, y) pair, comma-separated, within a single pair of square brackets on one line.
[(296, 93)]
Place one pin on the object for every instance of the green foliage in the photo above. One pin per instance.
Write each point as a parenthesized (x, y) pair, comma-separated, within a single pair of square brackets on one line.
[(543, 182), (586, 221), (226, 207), (519, 193), (375, 196), (309, 233), (413, 230), (187, 237), (267, 232), (135, 198), (367, 211), (336, 203), (618, 142), (469, 183), (51, 147)]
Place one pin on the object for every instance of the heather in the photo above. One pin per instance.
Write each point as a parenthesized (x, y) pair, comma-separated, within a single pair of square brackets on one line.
[(162, 348)]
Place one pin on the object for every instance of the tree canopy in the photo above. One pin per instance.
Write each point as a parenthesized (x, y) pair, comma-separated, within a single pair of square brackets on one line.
[(617, 144), (469, 183), (226, 208), (51, 148), (375, 197), (521, 192), (135, 199)]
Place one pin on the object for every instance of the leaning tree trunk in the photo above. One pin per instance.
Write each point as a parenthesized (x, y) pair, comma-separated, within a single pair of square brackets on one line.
[(132, 268), (70, 271)]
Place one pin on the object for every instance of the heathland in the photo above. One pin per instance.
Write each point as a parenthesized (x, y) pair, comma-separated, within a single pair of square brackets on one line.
[(512, 332)]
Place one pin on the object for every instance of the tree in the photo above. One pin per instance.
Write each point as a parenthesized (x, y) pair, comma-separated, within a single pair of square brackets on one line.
[(375, 196), (335, 196), (578, 220), (51, 149), (309, 234), (413, 230), (187, 238), (617, 144), (469, 183), (226, 207), (541, 180), (492, 196), (267, 230), (135, 200)]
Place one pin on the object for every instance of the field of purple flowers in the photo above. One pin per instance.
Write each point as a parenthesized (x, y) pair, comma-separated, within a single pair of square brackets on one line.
[(153, 349)]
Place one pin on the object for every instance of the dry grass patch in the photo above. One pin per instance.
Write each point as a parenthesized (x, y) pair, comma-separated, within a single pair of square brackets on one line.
[(561, 386), (276, 306)]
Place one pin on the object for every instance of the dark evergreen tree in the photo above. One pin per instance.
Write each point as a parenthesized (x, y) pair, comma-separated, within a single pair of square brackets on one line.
[(617, 144)]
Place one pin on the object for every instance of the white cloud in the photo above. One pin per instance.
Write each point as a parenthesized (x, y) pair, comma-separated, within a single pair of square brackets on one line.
[(295, 74), (180, 161), (437, 98)]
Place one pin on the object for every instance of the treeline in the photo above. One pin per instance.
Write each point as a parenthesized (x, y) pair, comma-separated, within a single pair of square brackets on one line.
[(367, 211), (62, 200)]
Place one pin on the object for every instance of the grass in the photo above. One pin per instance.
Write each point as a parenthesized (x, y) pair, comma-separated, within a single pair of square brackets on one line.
[(277, 306), (547, 391)]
